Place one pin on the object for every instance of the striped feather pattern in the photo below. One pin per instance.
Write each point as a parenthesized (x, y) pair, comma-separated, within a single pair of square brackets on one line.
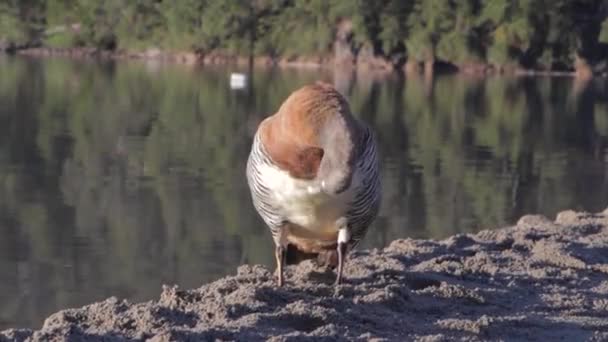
[(260, 193), (361, 210), (364, 208)]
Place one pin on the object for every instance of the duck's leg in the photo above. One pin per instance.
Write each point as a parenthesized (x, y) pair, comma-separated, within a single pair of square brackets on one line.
[(343, 238), (280, 256)]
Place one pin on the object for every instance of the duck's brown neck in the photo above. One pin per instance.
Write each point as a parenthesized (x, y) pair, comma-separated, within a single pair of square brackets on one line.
[(314, 136)]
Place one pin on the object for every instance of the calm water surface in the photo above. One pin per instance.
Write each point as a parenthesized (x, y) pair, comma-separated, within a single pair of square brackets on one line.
[(118, 178)]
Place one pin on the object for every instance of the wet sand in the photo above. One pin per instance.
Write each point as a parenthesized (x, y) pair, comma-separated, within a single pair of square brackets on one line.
[(537, 280)]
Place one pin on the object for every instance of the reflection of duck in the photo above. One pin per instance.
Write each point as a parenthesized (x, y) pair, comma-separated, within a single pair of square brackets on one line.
[(238, 80), (313, 175)]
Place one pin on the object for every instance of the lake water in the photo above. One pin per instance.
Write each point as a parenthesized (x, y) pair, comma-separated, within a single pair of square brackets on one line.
[(116, 178)]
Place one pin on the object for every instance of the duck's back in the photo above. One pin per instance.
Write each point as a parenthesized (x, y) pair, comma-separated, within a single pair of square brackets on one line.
[(312, 164)]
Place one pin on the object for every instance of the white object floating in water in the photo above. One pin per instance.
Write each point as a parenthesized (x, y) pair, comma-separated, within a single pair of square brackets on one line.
[(238, 81)]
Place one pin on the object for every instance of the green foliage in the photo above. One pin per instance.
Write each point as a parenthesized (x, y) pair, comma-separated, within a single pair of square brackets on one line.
[(428, 22), (183, 23), (462, 44), (308, 20), (454, 47), (20, 21), (529, 33), (12, 29), (508, 23)]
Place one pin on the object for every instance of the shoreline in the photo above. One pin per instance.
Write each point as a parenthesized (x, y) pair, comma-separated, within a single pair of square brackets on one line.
[(538, 279), (375, 65)]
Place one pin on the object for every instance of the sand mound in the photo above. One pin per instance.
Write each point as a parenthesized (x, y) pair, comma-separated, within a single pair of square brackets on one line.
[(540, 279)]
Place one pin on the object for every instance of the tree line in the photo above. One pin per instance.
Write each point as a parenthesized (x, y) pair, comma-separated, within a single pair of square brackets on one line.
[(556, 35)]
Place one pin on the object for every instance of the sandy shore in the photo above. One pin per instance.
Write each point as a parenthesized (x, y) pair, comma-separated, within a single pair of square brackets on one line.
[(538, 280)]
